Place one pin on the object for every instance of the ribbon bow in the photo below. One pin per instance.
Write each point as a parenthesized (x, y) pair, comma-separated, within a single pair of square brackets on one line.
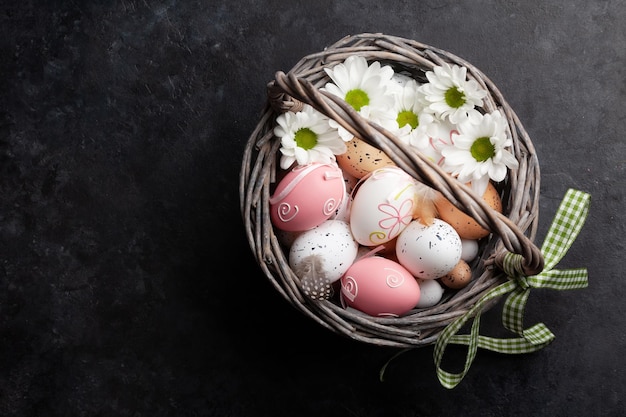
[(566, 225)]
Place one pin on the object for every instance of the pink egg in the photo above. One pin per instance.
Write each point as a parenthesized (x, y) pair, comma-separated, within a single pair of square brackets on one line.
[(379, 287), (307, 196)]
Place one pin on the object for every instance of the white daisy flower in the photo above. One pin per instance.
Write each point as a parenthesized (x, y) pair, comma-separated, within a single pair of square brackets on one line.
[(306, 137), (478, 153), (369, 89), (412, 124), (451, 95)]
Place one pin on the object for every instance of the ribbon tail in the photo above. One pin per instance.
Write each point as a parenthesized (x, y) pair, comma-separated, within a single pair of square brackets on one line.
[(513, 310), (534, 339), (449, 379), (561, 279), (565, 227), (531, 340)]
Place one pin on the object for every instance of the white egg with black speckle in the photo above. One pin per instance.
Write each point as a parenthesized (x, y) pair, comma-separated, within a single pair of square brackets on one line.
[(331, 243), (429, 251)]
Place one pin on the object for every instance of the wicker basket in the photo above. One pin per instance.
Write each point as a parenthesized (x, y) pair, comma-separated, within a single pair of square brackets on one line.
[(513, 231)]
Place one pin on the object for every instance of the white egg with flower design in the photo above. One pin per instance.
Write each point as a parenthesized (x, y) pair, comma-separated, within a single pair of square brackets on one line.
[(382, 206)]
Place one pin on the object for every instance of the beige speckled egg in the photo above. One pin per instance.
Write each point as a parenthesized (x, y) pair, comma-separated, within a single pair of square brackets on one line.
[(465, 225), (361, 158), (459, 277)]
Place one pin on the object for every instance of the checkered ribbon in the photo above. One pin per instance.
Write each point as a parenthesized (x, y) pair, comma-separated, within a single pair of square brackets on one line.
[(566, 225)]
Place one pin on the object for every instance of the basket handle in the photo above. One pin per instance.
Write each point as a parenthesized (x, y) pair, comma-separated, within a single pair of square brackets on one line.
[(288, 92)]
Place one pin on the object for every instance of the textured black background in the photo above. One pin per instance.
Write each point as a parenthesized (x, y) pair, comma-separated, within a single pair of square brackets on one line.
[(122, 125)]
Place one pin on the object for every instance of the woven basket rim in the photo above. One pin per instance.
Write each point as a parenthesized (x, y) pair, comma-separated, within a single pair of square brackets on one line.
[(512, 231)]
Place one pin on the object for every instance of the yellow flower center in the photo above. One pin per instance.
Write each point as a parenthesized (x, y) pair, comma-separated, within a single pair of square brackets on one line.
[(454, 98), (357, 98), (407, 117), (305, 138), (482, 149)]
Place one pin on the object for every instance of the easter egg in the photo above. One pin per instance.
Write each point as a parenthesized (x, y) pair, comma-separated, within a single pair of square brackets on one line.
[(469, 249), (382, 206), (361, 158), (330, 245), (342, 212), (428, 252), (458, 277), (431, 292), (306, 196), (379, 287), (465, 225)]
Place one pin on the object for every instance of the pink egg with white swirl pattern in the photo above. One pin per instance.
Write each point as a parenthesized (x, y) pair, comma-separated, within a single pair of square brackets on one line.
[(307, 196), (379, 287)]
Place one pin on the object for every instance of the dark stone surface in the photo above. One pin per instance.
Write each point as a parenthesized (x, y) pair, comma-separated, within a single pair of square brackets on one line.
[(121, 130)]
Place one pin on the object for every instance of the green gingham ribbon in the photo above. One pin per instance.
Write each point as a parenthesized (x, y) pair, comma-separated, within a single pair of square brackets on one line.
[(566, 225)]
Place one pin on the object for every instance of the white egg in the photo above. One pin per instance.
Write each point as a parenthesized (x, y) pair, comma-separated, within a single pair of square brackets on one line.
[(382, 206), (331, 243), (429, 252), (469, 249), (431, 291)]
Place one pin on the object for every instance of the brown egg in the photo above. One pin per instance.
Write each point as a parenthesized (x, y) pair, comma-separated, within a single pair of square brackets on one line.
[(362, 158), (459, 277), (465, 225)]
